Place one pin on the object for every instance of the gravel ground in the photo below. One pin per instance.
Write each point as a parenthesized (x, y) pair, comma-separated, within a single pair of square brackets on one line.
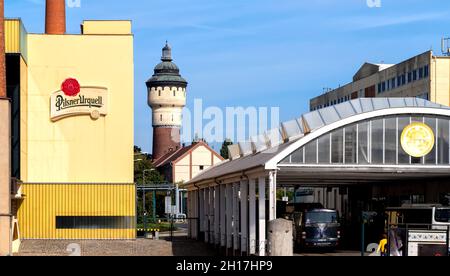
[(139, 247)]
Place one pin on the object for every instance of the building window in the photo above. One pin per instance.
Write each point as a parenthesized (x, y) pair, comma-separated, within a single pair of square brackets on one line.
[(383, 86), (426, 71), (337, 149), (202, 168), (379, 88), (414, 75), (403, 79), (311, 153), (159, 93), (423, 96), (393, 83), (409, 77), (420, 73), (94, 222), (160, 117), (174, 93), (399, 81), (324, 149)]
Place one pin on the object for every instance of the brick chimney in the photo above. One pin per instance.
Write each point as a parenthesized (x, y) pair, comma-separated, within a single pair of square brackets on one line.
[(55, 17)]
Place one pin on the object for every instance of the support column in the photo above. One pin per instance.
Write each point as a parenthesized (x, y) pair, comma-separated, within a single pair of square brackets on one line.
[(201, 210), (252, 216), (272, 196), (211, 215), (229, 216), (189, 215), (216, 215), (206, 214), (195, 214), (181, 202), (223, 221), (244, 216), (177, 201), (262, 216), (236, 216)]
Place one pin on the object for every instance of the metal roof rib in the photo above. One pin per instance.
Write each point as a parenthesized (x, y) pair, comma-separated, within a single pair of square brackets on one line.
[(313, 121)]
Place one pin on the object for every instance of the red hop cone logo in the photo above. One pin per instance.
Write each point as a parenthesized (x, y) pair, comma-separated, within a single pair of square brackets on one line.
[(70, 87)]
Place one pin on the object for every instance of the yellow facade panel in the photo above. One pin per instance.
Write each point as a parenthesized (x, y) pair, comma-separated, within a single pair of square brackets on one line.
[(45, 202), (12, 36), (106, 27)]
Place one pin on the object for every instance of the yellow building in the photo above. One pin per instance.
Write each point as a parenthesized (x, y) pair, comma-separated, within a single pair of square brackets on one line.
[(72, 98)]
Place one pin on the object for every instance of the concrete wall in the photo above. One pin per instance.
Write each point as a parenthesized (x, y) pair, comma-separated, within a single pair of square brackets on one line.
[(440, 81)]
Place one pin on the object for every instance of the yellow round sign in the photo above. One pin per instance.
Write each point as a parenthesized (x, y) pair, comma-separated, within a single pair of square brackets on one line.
[(418, 139)]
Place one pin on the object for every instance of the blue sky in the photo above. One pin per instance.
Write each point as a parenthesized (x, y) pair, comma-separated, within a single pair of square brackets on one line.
[(259, 52)]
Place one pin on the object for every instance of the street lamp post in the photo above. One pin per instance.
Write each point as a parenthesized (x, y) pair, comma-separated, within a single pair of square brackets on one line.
[(143, 199)]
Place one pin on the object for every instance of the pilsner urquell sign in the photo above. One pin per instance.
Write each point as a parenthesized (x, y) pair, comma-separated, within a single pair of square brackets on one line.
[(74, 100)]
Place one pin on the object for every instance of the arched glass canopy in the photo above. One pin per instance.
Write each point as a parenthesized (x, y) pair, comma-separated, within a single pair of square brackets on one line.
[(375, 141)]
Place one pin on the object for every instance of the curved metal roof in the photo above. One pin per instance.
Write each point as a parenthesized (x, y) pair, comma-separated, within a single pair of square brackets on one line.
[(311, 125)]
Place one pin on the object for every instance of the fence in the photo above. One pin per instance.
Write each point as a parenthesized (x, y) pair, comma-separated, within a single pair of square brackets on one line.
[(167, 228)]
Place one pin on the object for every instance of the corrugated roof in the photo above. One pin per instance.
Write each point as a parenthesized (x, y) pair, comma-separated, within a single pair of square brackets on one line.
[(313, 121), (241, 164)]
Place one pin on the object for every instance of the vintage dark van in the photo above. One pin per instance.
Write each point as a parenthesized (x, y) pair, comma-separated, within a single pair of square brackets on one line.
[(316, 228)]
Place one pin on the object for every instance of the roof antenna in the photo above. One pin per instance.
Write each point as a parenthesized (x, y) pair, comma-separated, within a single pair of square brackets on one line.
[(445, 43)]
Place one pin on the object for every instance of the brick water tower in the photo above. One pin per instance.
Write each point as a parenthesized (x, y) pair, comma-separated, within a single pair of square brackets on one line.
[(167, 98)]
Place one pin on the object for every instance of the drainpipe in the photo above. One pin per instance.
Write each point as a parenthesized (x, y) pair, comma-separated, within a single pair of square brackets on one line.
[(244, 175), (5, 148)]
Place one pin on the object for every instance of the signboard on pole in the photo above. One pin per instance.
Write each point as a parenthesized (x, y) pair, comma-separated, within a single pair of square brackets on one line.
[(168, 205)]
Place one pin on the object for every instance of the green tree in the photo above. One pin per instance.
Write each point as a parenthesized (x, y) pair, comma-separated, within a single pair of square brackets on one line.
[(224, 149), (143, 165), (143, 162)]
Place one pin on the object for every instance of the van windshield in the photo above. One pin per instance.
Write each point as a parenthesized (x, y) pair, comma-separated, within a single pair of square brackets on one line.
[(443, 215), (321, 217)]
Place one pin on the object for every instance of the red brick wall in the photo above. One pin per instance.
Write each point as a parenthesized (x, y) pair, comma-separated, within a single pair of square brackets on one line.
[(55, 17), (164, 140)]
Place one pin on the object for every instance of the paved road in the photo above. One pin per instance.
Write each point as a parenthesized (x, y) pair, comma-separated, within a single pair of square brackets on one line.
[(139, 247)]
